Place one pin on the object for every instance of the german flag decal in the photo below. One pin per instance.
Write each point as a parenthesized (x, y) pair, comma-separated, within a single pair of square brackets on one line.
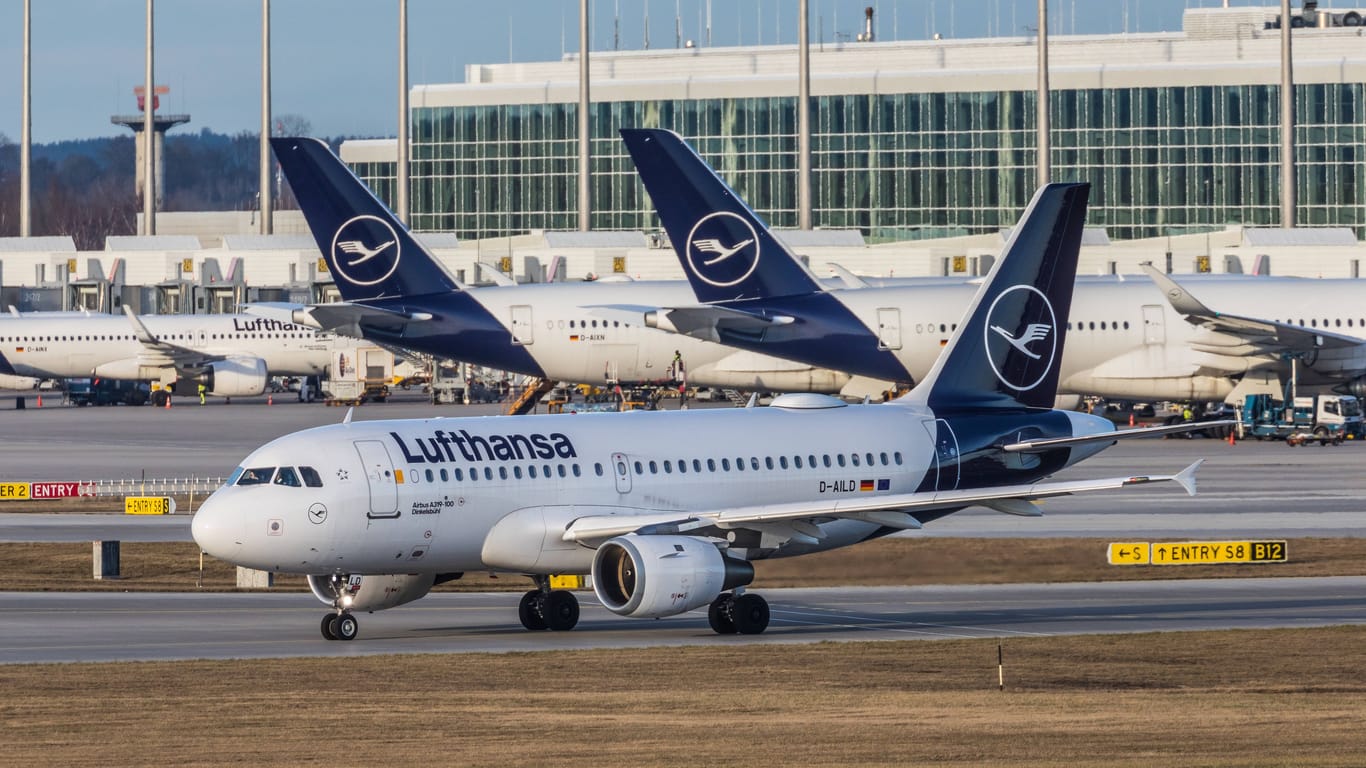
[(865, 485)]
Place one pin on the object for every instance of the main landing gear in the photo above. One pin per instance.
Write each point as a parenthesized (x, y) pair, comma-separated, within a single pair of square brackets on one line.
[(738, 613), (544, 608), (340, 626)]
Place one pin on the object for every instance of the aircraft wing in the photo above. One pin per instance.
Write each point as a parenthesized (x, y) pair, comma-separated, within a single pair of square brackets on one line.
[(158, 353), (1235, 334), (795, 521), (1037, 446)]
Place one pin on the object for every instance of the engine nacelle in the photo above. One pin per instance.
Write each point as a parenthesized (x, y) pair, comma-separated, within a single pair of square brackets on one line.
[(1356, 387), (651, 576), (371, 592), (234, 377)]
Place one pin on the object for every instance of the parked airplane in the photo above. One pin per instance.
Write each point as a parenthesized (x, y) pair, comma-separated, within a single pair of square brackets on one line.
[(668, 510), (396, 293), (232, 355), (1129, 339)]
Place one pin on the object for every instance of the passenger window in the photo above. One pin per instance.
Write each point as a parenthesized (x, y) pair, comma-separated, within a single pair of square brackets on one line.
[(639, 469), (668, 467), (725, 465), (711, 465), (256, 476), (768, 462), (782, 462), (853, 457), (287, 476), (897, 458), (531, 471), (488, 473), (597, 467), (502, 473), (797, 462), (825, 459), (517, 472), (839, 459), (654, 468), (577, 471), (883, 456), (696, 465), (311, 477), (561, 469), (459, 475), (754, 463), (682, 466), (444, 477), (430, 476)]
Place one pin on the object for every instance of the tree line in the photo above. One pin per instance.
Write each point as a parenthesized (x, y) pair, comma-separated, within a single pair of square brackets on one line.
[(86, 188)]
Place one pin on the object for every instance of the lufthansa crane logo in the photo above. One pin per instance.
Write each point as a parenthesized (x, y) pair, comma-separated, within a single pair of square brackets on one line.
[(1020, 337), (723, 249), (365, 250)]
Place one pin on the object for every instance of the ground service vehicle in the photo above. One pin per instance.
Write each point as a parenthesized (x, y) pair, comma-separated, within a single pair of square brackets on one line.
[(102, 391), (1325, 418)]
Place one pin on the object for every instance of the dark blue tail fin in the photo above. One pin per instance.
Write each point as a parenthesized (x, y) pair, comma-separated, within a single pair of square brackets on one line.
[(370, 252), (726, 249), (1007, 351)]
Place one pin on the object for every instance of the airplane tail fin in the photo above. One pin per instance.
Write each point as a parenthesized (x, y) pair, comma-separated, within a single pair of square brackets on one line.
[(370, 253), (727, 251), (1007, 350)]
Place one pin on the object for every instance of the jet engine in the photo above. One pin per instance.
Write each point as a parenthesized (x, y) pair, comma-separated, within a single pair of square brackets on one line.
[(1356, 387), (652, 576), (234, 377), (371, 592)]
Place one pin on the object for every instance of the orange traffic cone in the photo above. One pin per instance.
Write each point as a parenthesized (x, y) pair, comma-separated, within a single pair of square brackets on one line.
[(270, 399), (1131, 419), (40, 401), (1231, 436), (168, 401)]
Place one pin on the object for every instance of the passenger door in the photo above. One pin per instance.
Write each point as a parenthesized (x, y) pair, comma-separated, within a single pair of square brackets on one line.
[(621, 469), (379, 473), (888, 328), (521, 324)]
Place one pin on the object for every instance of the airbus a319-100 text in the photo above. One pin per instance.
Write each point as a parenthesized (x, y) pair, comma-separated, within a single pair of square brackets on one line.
[(669, 511)]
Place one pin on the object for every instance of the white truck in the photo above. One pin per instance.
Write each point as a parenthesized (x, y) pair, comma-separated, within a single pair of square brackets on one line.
[(359, 375)]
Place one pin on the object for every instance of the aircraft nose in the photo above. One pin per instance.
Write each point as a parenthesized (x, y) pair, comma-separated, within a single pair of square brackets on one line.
[(218, 529)]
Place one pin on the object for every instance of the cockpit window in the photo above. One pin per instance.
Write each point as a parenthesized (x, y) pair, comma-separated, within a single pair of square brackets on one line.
[(287, 476), (311, 477), (256, 476), (236, 473)]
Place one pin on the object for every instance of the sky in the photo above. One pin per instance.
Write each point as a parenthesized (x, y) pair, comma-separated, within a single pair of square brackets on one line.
[(335, 61)]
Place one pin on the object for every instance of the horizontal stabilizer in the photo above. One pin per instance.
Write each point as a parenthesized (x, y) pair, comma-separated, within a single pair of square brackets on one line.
[(1038, 446)]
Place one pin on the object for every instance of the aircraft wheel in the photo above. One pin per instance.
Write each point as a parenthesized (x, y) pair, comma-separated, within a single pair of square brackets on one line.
[(719, 614), (530, 611), (329, 631), (750, 614), (561, 610), (346, 627)]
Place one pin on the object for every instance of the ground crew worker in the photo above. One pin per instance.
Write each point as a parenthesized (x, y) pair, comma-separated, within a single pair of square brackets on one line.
[(202, 389), (1187, 414)]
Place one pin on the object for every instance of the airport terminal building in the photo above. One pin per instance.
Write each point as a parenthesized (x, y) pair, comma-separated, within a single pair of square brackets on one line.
[(1177, 131)]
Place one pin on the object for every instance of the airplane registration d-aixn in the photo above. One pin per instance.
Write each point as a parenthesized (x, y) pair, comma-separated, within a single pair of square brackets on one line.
[(668, 511)]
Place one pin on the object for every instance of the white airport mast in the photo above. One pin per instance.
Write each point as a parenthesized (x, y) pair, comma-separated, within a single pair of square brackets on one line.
[(803, 115), (401, 174), (585, 208), (149, 187), (267, 205), (1044, 142), (1287, 123), (26, 131)]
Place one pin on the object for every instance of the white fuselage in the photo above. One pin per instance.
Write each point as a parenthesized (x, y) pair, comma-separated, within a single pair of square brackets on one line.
[(595, 332), (73, 346), (1126, 341), (439, 495)]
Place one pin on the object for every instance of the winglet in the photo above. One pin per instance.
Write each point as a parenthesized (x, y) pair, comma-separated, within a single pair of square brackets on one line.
[(145, 336), (1186, 477), (349, 413), (1180, 299)]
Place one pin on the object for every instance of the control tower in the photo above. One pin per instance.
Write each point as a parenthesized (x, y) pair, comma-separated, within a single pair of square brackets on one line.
[(160, 125)]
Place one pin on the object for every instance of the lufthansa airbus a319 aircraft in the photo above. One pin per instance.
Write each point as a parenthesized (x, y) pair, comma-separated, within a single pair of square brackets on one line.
[(669, 511)]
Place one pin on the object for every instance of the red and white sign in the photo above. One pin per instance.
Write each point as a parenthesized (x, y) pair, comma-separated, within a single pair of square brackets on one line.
[(61, 490)]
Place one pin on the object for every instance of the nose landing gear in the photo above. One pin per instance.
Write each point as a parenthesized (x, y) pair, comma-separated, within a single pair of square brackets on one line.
[(340, 626)]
